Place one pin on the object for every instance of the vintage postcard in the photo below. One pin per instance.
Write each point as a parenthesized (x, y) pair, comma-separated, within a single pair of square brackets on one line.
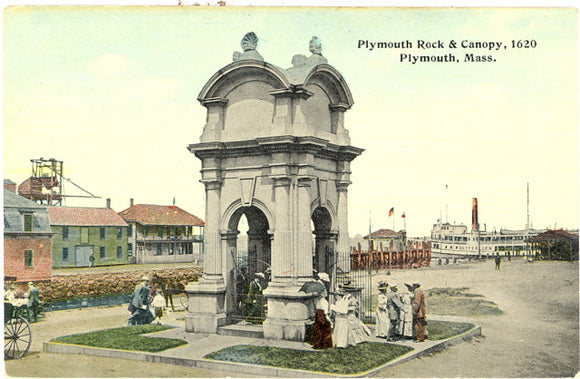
[(278, 171)]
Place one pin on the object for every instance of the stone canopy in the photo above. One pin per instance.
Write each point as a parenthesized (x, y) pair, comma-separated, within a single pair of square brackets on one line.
[(275, 150)]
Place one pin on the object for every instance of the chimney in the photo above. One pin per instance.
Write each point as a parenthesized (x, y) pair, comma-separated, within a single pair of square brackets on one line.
[(108, 203), (10, 185), (130, 202), (474, 220)]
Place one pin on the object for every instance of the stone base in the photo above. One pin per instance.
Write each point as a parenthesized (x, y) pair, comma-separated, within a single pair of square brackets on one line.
[(288, 313), (206, 300)]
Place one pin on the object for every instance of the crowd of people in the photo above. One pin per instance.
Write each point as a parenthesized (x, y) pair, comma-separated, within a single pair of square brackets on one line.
[(398, 315), (401, 315)]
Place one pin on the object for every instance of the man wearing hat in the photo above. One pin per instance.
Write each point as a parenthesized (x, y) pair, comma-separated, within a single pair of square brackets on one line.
[(382, 315), (394, 306), (140, 304), (254, 300), (419, 312)]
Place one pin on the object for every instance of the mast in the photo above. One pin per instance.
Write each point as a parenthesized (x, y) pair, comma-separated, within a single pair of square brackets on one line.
[(528, 206)]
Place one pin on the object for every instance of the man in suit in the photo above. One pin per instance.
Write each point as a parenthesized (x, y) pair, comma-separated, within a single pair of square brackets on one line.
[(393, 308), (419, 313)]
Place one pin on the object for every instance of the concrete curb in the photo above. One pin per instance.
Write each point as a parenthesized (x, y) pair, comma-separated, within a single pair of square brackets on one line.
[(243, 368)]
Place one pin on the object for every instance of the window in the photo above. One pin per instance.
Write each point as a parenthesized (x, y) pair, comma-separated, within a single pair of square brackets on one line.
[(171, 249), (103, 233), (119, 233), (159, 249), (119, 252), (65, 232), (145, 231), (28, 258), (130, 231), (160, 232), (28, 222), (130, 250), (103, 252), (65, 253), (84, 235)]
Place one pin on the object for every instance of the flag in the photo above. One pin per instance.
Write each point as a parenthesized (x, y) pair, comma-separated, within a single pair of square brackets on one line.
[(403, 215), (391, 212)]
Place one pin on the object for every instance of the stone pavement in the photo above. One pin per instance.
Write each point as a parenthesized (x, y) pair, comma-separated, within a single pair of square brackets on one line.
[(201, 344)]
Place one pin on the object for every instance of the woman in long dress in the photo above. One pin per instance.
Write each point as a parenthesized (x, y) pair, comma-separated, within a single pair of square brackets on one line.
[(340, 308), (381, 315), (322, 334), (357, 330)]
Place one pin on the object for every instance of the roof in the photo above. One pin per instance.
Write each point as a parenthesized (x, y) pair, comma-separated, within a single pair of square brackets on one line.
[(13, 200), (555, 234), (77, 216), (8, 181), (149, 214), (14, 209), (384, 233)]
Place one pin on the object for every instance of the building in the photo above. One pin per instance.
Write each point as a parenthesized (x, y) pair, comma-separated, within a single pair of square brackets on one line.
[(386, 239), (85, 232), (163, 234), (556, 244), (27, 238)]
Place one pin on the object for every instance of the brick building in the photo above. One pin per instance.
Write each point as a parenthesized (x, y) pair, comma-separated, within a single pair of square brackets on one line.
[(27, 238), (82, 232)]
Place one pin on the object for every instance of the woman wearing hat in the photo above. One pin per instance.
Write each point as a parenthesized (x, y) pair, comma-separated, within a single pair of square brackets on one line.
[(381, 315), (140, 304)]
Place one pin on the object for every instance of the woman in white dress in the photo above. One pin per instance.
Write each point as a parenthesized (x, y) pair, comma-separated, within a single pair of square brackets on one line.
[(381, 315)]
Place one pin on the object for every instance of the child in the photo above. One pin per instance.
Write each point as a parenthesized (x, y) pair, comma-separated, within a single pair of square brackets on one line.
[(159, 305)]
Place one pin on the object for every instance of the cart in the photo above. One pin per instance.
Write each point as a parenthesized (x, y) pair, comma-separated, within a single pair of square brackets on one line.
[(17, 335)]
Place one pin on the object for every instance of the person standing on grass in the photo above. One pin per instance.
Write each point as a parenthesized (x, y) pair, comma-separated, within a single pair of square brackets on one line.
[(419, 313), (322, 334), (382, 315), (140, 304), (393, 308)]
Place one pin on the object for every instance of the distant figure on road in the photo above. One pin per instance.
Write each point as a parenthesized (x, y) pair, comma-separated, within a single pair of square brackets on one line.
[(419, 312), (497, 262), (140, 304)]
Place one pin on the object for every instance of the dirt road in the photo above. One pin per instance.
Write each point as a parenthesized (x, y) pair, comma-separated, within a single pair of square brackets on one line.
[(537, 336)]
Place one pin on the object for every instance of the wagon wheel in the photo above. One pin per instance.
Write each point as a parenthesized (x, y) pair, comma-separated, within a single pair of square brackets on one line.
[(183, 300), (17, 338)]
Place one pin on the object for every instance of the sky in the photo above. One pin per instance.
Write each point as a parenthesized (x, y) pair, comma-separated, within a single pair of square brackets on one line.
[(111, 91)]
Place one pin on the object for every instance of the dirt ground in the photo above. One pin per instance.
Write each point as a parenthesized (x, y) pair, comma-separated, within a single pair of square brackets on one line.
[(537, 336)]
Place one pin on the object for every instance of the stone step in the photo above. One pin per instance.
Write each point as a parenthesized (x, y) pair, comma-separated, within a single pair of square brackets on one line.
[(242, 329)]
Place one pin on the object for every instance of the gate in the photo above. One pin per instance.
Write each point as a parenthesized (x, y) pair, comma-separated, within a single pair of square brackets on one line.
[(359, 284), (248, 307)]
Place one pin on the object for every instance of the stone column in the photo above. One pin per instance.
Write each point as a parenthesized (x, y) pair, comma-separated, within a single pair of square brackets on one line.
[(343, 242), (207, 297), (282, 266), (287, 307), (304, 230), (215, 119), (229, 241)]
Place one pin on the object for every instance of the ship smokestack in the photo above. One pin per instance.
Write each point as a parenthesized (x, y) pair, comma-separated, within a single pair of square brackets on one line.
[(474, 220)]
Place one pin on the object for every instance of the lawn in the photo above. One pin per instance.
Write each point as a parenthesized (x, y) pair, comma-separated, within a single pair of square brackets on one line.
[(458, 302), (125, 338), (352, 360), (440, 330)]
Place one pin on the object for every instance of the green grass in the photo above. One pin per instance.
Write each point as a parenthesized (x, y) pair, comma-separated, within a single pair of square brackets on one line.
[(459, 302), (440, 330), (352, 360), (126, 338)]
